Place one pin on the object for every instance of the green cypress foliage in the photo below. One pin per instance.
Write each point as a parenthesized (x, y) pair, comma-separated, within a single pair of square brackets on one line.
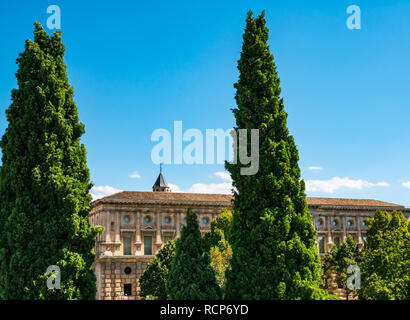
[(154, 278), (44, 182), (191, 276), (273, 239)]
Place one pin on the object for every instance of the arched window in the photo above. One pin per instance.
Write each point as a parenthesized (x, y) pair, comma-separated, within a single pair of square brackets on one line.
[(147, 219)]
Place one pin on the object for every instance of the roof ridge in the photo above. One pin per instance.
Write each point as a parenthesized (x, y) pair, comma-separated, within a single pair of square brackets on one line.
[(221, 197)]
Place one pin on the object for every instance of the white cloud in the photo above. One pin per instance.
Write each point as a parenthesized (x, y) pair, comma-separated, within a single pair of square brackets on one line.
[(223, 175), (406, 184), (98, 192), (331, 185), (313, 168), (135, 175), (174, 188), (224, 187)]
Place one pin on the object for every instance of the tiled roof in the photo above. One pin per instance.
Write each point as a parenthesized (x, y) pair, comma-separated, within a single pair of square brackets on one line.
[(174, 196), (350, 202), (146, 195)]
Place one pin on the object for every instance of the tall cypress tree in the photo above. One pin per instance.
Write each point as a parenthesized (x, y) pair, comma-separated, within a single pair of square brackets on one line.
[(153, 280), (191, 276), (44, 182), (273, 239)]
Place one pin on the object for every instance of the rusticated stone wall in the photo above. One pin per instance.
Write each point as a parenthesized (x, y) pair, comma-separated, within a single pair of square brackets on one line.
[(111, 277)]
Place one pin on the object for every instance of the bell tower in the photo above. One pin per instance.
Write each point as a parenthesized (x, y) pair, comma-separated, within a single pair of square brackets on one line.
[(160, 184)]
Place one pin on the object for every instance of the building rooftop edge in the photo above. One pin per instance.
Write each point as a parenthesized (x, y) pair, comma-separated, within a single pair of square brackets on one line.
[(221, 199)]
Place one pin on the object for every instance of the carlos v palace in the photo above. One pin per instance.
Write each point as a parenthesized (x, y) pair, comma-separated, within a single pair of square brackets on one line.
[(138, 224)]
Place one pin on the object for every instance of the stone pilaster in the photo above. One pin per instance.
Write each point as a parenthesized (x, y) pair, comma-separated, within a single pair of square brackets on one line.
[(138, 233), (158, 241), (329, 241)]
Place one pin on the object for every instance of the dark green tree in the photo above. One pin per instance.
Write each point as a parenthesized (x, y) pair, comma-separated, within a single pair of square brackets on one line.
[(385, 267), (220, 231), (44, 182), (191, 276), (216, 242), (337, 261), (273, 239), (154, 278)]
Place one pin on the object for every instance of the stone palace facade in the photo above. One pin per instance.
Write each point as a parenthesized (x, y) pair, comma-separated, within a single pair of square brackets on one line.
[(137, 224)]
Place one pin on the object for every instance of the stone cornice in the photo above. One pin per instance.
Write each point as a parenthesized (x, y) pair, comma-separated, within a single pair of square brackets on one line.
[(126, 258)]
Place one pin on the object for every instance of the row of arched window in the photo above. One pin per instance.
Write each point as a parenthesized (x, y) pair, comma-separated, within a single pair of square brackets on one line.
[(335, 222), (336, 241), (167, 220)]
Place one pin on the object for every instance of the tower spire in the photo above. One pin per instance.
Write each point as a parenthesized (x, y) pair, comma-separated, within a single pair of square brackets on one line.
[(160, 184)]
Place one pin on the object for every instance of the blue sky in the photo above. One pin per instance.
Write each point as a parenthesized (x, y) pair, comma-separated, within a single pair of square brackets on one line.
[(137, 66)]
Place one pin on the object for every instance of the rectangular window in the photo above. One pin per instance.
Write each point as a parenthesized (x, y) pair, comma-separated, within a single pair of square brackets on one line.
[(127, 245), (166, 239), (321, 242), (127, 289), (148, 245)]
